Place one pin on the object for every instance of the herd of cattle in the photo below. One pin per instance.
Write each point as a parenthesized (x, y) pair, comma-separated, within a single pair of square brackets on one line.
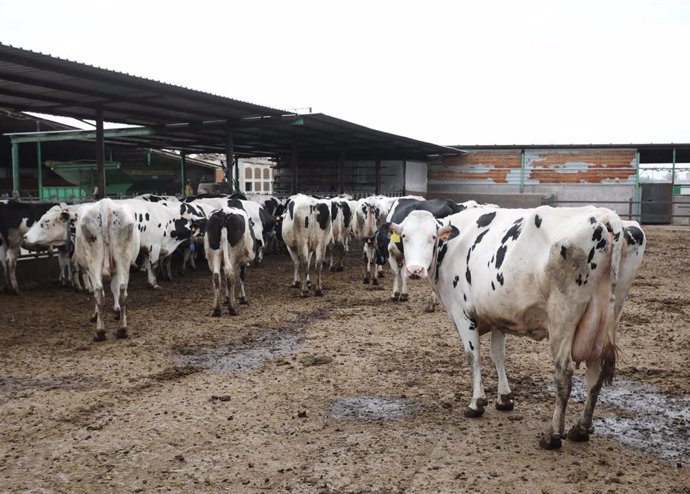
[(561, 273)]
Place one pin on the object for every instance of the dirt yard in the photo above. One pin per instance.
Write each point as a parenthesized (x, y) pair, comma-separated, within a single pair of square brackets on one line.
[(348, 392)]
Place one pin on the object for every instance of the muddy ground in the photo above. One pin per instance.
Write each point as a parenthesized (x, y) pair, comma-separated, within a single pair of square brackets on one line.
[(342, 393)]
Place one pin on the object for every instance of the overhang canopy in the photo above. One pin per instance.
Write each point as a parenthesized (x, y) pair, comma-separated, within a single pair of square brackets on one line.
[(185, 119)]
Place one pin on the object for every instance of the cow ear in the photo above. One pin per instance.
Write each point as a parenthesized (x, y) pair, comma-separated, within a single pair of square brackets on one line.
[(395, 228), (448, 232)]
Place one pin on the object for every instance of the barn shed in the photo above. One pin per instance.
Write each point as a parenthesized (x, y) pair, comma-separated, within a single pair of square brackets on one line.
[(651, 181)]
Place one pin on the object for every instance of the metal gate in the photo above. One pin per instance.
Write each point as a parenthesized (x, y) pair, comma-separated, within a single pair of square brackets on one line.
[(657, 203)]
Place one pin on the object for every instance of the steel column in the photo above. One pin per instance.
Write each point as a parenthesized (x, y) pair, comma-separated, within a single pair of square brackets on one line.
[(404, 187), (378, 177), (341, 167), (100, 154), (522, 171), (294, 183), (673, 170), (15, 169), (183, 172), (230, 160)]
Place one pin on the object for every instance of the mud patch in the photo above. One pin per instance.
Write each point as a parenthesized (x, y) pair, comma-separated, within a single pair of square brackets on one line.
[(242, 358), (373, 408), (646, 418), (17, 387)]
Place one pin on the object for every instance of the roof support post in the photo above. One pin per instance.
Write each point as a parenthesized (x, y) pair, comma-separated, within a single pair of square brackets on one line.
[(100, 153), (404, 170), (673, 169), (294, 182), (15, 169), (378, 177), (183, 172), (522, 171), (341, 171), (230, 165), (39, 164)]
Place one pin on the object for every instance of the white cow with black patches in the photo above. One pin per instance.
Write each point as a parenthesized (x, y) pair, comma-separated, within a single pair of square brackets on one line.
[(558, 273), (341, 224), (229, 244), (307, 231), (106, 245)]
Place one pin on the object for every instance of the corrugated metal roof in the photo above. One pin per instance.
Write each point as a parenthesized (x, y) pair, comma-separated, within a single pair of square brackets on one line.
[(31, 81)]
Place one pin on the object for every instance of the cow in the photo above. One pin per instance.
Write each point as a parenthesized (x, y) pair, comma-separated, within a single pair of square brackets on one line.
[(306, 231), (106, 245), (341, 223), (16, 218), (389, 248), (229, 245), (57, 228), (157, 198), (162, 228), (561, 273)]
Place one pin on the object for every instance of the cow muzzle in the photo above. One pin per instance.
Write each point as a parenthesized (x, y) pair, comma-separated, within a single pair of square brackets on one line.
[(415, 272)]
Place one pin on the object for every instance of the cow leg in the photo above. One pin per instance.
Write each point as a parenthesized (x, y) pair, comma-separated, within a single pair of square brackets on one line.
[(367, 264), (433, 302), (230, 283), (560, 348), (296, 264), (341, 255), (243, 295), (320, 256), (63, 263), (470, 339), (115, 290), (379, 271), (119, 288), (166, 267), (594, 380), (148, 265), (11, 267), (99, 295), (395, 269), (504, 401), (214, 262), (304, 267)]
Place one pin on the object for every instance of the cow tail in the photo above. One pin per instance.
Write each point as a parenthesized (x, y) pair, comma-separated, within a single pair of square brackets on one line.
[(106, 225), (225, 245), (610, 350)]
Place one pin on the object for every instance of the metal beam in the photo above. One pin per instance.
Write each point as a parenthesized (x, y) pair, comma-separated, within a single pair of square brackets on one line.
[(100, 153), (183, 172), (378, 177), (15, 169)]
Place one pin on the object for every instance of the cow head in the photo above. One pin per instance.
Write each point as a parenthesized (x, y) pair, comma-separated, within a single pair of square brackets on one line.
[(421, 234), (381, 240), (52, 228)]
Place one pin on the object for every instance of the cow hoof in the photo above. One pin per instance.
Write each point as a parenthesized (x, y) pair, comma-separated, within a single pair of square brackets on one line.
[(232, 312), (121, 333), (381, 274), (366, 281), (155, 287), (116, 315), (395, 297), (577, 434), (304, 293), (216, 312), (375, 281), (550, 441), (243, 300), (226, 301), (93, 318), (294, 285), (340, 269), (429, 309), (100, 336), (404, 297), (318, 292), (472, 413), (482, 402), (505, 406), (332, 269)]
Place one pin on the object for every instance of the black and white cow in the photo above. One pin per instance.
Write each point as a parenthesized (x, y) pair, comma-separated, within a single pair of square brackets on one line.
[(306, 231), (341, 223), (389, 247), (229, 245), (106, 245), (561, 273), (16, 218)]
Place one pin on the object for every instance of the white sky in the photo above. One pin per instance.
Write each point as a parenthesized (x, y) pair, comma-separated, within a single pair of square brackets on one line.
[(454, 72)]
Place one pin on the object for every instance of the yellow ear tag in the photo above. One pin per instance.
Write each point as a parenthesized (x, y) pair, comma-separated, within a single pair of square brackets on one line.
[(395, 238)]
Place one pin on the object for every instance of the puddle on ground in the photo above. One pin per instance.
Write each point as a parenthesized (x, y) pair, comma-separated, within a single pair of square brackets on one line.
[(373, 408), (645, 417), (228, 359)]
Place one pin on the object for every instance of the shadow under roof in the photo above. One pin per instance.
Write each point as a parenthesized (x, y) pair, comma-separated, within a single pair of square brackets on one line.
[(186, 119)]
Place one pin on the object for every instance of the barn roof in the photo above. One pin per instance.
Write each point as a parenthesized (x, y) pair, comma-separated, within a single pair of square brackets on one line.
[(186, 119)]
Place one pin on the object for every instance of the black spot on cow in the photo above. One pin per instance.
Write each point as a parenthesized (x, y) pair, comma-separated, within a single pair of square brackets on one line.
[(234, 202), (323, 216), (592, 220), (493, 287), (579, 280), (479, 238), (471, 346), (500, 255), (347, 213), (291, 209), (598, 232), (443, 248), (235, 225), (455, 281), (334, 211), (141, 218), (468, 276), (499, 278), (485, 219), (591, 255), (601, 245), (634, 235), (593, 265), (306, 222), (537, 220), (473, 324), (147, 216), (213, 229), (513, 232), (181, 230), (563, 251), (464, 297), (159, 225)]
